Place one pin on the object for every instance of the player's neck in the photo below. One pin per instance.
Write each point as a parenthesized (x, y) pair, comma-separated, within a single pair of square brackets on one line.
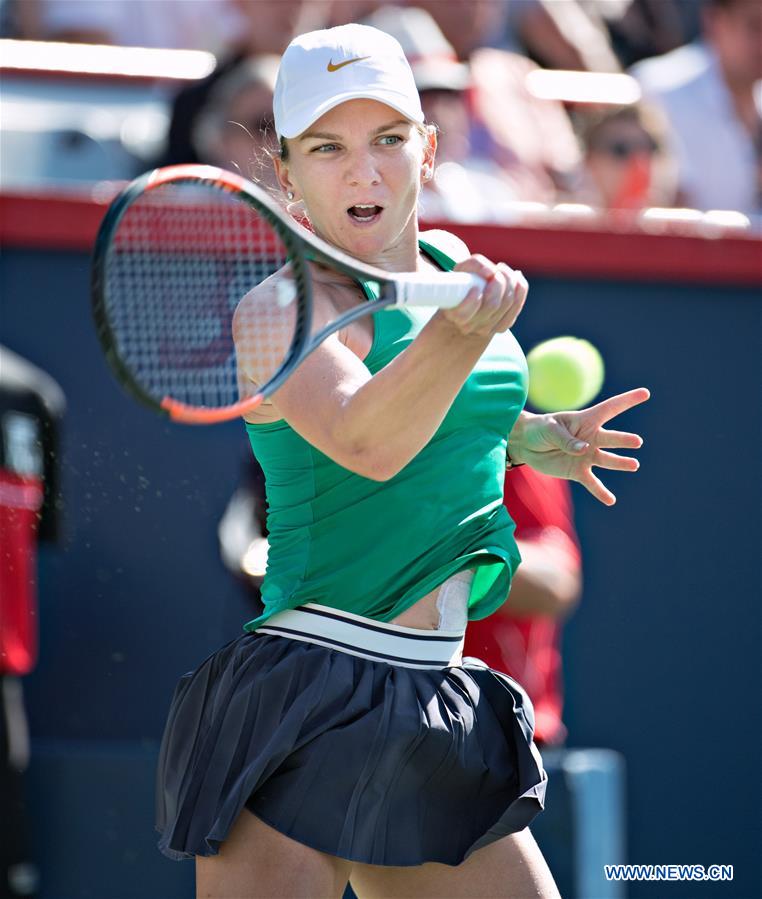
[(402, 255)]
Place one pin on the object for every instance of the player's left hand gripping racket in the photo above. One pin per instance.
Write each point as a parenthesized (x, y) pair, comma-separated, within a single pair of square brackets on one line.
[(178, 250)]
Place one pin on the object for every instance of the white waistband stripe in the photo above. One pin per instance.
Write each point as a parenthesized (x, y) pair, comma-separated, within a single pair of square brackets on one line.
[(367, 638)]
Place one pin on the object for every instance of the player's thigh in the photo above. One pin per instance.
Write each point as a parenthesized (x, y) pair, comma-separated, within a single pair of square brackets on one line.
[(258, 862), (510, 868)]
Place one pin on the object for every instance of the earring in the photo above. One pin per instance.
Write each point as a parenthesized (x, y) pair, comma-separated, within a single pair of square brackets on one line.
[(427, 173), (290, 195)]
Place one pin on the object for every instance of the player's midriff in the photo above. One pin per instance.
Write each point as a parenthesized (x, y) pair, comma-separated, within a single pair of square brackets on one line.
[(445, 608)]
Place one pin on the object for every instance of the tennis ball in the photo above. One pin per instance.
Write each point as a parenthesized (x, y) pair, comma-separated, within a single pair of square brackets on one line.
[(564, 373)]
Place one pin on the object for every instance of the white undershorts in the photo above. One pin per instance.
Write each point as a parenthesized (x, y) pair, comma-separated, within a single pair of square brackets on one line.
[(452, 601)]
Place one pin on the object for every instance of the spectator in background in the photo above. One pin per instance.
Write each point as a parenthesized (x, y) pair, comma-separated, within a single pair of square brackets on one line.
[(523, 638), (572, 34), (509, 145), (711, 94), (597, 35), (557, 34), (344, 12), (467, 187), (480, 23), (31, 405), (532, 139), (234, 128), (651, 27), (266, 29), (172, 24), (627, 163)]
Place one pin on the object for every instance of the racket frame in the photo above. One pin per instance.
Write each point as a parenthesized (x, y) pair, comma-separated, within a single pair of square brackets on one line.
[(265, 207), (302, 245)]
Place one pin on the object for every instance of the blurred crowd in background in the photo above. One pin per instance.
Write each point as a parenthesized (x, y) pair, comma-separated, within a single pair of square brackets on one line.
[(619, 105)]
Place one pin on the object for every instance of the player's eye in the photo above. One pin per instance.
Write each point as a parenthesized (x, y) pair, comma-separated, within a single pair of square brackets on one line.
[(324, 148), (390, 140)]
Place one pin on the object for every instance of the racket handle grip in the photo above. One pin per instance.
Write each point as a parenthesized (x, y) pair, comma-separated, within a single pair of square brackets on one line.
[(444, 290)]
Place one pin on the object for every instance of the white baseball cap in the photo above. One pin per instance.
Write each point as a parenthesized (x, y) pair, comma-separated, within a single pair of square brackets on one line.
[(322, 69)]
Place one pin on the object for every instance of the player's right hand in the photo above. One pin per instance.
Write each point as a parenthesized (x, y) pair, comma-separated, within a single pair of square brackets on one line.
[(493, 309)]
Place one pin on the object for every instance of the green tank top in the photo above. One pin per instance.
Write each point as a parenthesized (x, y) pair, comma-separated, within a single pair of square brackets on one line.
[(375, 548)]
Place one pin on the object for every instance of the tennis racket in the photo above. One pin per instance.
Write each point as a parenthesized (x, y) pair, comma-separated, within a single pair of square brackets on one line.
[(177, 251)]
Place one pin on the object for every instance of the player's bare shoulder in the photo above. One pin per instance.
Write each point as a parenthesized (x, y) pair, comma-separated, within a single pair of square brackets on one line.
[(274, 295), (447, 243), (266, 319), (264, 324)]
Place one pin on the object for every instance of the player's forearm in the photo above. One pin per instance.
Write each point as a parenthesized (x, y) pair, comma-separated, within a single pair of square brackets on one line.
[(390, 418)]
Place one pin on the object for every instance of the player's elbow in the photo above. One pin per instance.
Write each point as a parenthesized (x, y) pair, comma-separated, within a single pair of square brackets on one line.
[(370, 456), (373, 464), (376, 474)]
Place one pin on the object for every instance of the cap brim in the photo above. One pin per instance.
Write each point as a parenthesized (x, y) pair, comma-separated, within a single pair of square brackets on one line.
[(299, 124)]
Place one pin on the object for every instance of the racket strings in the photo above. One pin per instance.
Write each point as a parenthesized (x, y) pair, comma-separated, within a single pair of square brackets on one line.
[(183, 257)]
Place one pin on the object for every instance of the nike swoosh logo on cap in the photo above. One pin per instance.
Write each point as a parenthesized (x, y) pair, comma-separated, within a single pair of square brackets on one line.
[(347, 62)]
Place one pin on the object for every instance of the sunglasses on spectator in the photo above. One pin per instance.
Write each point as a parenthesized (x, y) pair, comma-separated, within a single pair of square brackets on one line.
[(624, 149)]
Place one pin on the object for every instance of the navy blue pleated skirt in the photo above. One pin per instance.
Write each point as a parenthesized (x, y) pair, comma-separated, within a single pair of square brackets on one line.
[(362, 759)]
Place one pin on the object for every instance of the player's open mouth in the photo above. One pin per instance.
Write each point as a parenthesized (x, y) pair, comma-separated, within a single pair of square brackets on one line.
[(365, 213)]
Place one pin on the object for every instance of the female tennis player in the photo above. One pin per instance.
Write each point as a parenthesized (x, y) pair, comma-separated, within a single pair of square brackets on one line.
[(343, 737)]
